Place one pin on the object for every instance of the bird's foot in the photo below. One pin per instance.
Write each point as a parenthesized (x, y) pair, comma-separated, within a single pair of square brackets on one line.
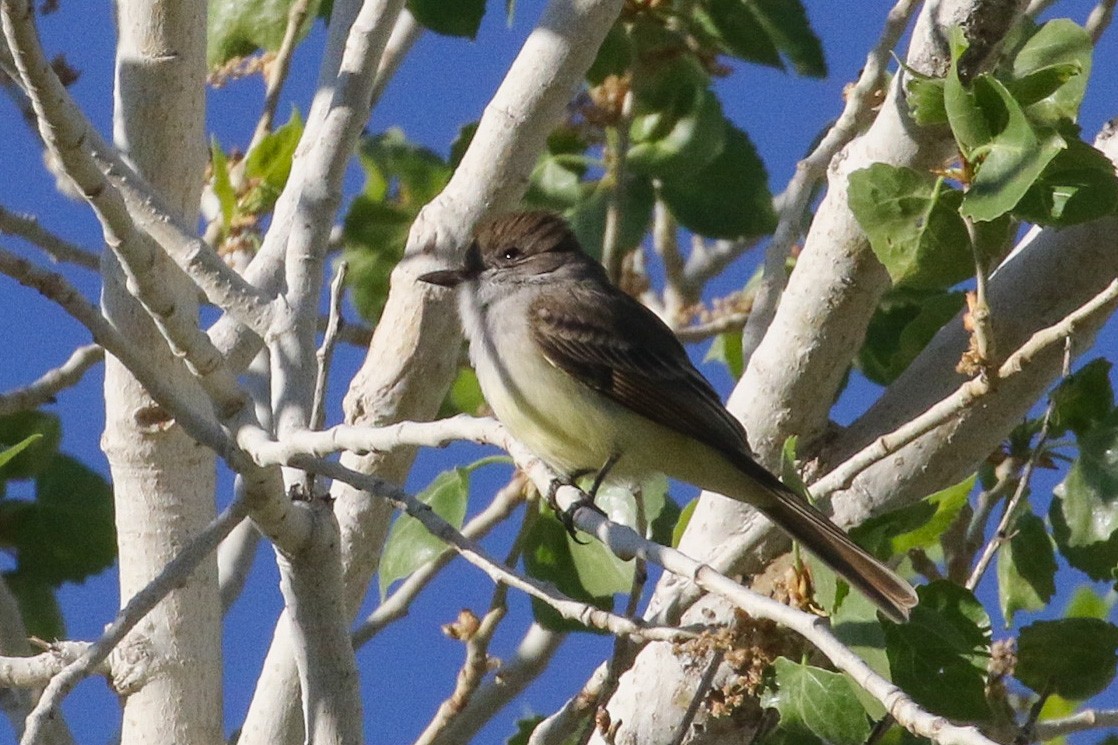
[(566, 516)]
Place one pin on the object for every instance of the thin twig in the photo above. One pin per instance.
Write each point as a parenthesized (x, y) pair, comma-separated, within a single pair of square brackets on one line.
[(1003, 534), (1099, 19), (720, 325), (562, 724), (404, 35), (276, 72), (132, 215), (37, 671), (573, 610), (51, 382), (396, 605), (626, 543), (477, 662), (140, 604), (1088, 719), (697, 698), (980, 315), (797, 196), (665, 243), (965, 396), (326, 351), (58, 248), (617, 149)]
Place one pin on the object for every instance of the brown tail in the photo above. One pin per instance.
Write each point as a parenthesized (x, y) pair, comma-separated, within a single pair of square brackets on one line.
[(823, 538)]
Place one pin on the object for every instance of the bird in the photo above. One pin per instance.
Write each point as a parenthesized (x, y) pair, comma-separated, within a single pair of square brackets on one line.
[(592, 381)]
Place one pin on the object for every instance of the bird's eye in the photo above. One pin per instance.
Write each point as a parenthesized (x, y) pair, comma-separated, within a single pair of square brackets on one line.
[(511, 254)]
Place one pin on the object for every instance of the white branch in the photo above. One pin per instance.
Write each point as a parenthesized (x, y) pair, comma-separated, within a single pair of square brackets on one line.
[(126, 205), (37, 671), (1078, 722), (59, 249), (52, 382), (91, 658), (966, 396), (794, 201)]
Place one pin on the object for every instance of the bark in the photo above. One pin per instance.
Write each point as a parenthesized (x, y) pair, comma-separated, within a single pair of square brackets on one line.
[(163, 480)]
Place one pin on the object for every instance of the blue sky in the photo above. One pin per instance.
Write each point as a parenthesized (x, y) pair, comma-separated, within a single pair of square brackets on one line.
[(443, 84)]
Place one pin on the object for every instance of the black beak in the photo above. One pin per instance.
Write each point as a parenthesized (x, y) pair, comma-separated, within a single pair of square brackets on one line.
[(455, 277), (444, 278)]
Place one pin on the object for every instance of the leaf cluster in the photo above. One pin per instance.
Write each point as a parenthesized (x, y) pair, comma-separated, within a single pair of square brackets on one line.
[(65, 533)]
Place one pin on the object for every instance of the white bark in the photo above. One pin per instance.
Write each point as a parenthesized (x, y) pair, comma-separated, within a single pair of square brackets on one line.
[(792, 377), (414, 351), (163, 480)]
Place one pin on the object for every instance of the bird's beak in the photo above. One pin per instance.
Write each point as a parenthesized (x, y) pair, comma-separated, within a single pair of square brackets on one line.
[(444, 278), (455, 277)]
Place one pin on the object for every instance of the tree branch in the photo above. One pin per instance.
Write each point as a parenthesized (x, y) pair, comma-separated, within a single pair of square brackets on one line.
[(59, 249), (43, 390)]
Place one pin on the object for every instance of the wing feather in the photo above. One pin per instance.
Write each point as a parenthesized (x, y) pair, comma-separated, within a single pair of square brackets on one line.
[(616, 346)]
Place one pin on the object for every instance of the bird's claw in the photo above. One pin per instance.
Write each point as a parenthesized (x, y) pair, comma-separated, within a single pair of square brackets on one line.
[(567, 516)]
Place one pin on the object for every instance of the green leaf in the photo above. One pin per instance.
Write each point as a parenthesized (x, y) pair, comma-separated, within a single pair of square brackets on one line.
[(400, 178), (918, 525), (1039, 84), (375, 235), (968, 121), (728, 197), (524, 729), (67, 533), (913, 225), (662, 527), (815, 701), (1072, 657), (458, 18), (18, 427), (1058, 49), (905, 321), (1083, 400), (1084, 509), (9, 453), (666, 75), (464, 396), (683, 521), (554, 184), (400, 172), (726, 348), (854, 622), (410, 545), (1026, 568), (1085, 603), (762, 30), (1079, 185), (237, 28), (939, 657), (662, 144), (925, 99), (222, 186), (619, 502), (1012, 159), (734, 25), (787, 24), (588, 218), (461, 142), (588, 573), (614, 56), (269, 164), (789, 473), (38, 607)]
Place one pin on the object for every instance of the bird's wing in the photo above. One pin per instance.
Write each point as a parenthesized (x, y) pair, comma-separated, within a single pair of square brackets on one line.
[(610, 342)]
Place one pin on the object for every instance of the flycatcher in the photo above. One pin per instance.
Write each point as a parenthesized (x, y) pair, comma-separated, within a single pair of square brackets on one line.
[(585, 376)]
